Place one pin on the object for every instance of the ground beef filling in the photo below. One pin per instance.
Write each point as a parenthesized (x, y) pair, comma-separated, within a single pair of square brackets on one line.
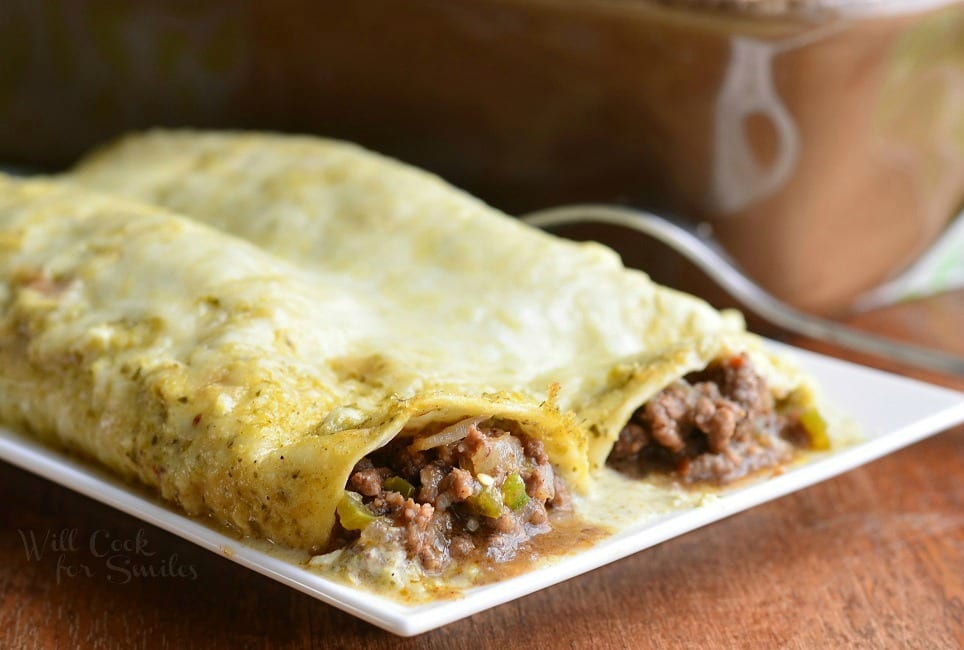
[(441, 499), (714, 426)]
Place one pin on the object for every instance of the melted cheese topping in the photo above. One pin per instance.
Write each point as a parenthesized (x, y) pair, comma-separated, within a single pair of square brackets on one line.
[(246, 379), (202, 366), (470, 293)]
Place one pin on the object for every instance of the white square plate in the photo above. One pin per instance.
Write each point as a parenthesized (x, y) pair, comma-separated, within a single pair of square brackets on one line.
[(891, 412)]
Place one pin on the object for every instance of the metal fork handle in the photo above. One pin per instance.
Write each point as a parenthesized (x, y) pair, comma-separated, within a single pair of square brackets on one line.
[(706, 254)]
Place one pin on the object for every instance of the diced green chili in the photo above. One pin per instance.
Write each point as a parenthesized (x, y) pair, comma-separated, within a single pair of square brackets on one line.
[(514, 491), (487, 503), (353, 513), (400, 485)]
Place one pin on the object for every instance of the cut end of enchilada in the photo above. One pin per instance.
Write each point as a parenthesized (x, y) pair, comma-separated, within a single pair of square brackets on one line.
[(709, 412), (716, 426), (476, 489)]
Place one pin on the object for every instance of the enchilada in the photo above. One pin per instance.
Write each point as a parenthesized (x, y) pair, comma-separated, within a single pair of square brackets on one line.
[(618, 345), (386, 367), (198, 365)]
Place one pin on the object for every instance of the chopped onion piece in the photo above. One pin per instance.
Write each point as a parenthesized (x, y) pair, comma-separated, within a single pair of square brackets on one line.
[(502, 454), (449, 434)]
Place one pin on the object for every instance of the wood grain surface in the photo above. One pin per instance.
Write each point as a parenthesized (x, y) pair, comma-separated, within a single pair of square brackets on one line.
[(873, 558)]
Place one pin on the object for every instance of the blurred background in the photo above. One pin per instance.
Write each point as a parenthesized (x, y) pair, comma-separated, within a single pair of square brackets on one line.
[(822, 141)]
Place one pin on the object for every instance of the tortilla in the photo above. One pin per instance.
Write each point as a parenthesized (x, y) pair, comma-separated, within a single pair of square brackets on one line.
[(227, 379), (484, 290)]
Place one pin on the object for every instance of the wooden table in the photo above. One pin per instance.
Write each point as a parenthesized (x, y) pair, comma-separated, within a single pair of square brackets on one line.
[(874, 558)]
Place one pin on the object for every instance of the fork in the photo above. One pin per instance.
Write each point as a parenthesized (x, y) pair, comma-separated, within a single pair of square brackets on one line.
[(698, 246)]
